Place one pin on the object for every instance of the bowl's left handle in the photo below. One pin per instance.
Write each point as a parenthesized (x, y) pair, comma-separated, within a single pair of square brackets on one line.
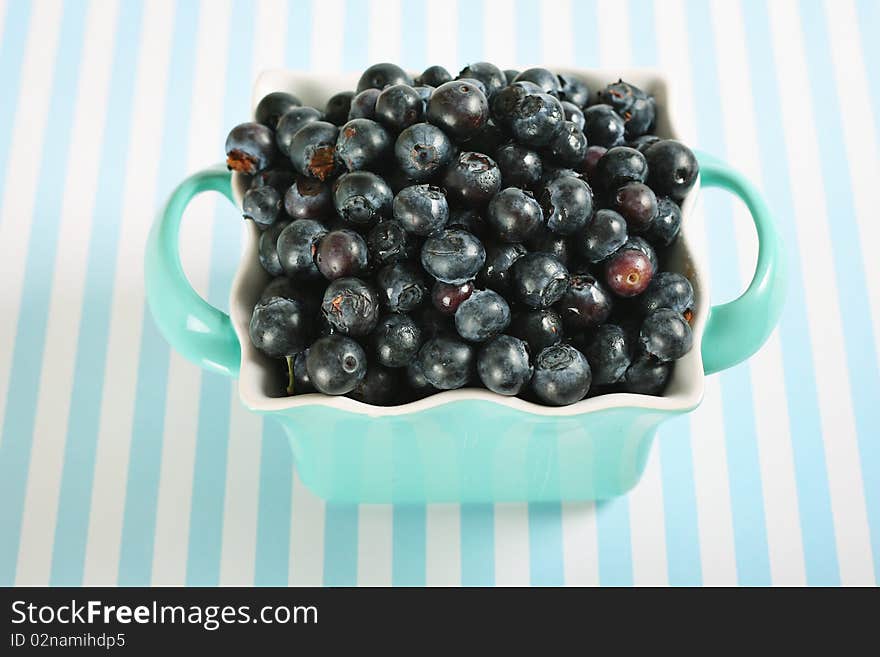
[(195, 328)]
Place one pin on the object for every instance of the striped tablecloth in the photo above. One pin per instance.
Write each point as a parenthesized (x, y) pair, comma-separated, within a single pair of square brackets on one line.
[(122, 463)]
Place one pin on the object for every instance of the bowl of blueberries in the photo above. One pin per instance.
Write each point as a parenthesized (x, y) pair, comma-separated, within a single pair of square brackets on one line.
[(466, 288)]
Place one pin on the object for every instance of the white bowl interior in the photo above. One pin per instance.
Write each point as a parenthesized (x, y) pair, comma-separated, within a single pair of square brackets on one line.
[(258, 380)]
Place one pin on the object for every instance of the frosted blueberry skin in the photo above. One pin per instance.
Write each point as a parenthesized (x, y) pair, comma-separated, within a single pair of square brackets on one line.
[(574, 114), (350, 306), (666, 335), (620, 165), (396, 340), (402, 286), (520, 166), (421, 209), (290, 123), (603, 126), (567, 203), (503, 365), (362, 144), (647, 376), (495, 273), (514, 214), (362, 198), (379, 76), (481, 316), (539, 280), (261, 205), (308, 198), (336, 364), (667, 290), (506, 100), (586, 304), (568, 147), (453, 256), (537, 120), (421, 150), (540, 328), (608, 352), (667, 224), (387, 242), (471, 179), (446, 363), (267, 250), (296, 247), (562, 375), (250, 148), (637, 109), (280, 326), (573, 90)]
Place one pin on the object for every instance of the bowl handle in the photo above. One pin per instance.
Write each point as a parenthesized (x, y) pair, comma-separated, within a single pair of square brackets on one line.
[(200, 332), (737, 329)]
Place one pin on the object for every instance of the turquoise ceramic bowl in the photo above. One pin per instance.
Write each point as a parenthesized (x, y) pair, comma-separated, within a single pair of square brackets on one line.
[(462, 445)]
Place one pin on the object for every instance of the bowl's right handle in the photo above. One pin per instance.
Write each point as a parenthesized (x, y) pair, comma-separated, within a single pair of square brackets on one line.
[(195, 328), (737, 329)]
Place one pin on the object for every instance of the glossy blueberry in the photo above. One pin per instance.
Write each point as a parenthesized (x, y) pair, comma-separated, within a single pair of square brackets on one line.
[(506, 100), (297, 246), (637, 204), (416, 383), (520, 166), (608, 352), (500, 257), (540, 328), (546, 241), (397, 339), (379, 76), (250, 148), (562, 375), (362, 144), (402, 286), (586, 304), (672, 167), (569, 147), (434, 76), (637, 108), (453, 256), (628, 272), (422, 150), (573, 90), (280, 326), (591, 159), (538, 280), (313, 150), (487, 139), (666, 335), (421, 209), (619, 166), (308, 198), (567, 203), (378, 387), (574, 114), (268, 248), (341, 253), (635, 242), (424, 91), (477, 83), (447, 297), (641, 143), (398, 107), (514, 214), (470, 220), (290, 123), (537, 120), (278, 179), (510, 74), (459, 108), (603, 126), (503, 365), (272, 106), (446, 363), (667, 290), (362, 198), (351, 306), (647, 376), (481, 316), (602, 236), (363, 105), (545, 79), (471, 179), (666, 224), (336, 364), (338, 107), (387, 242), (262, 205), (491, 76)]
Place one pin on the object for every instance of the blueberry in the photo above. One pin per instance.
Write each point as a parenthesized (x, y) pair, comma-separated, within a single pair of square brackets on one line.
[(608, 353), (672, 167), (481, 316), (602, 236), (514, 214), (666, 335), (447, 297), (278, 179), (250, 148), (272, 106), (459, 108), (503, 365), (297, 246), (634, 105), (510, 74), (586, 304), (477, 83), (538, 280), (572, 90), (569, 147), (280, 327), (446, 363), (667, 290), (603, 126), (434, 76), (546, 241), (397, 339), (262, 205), (418, 386), (562, 375), (591, 159), (491, 76), (568, 204), (647, 376), (540, 328), (666, 224), (387, 242), (641, 143), (471, 179), (362, 144), (574, 114), (308, 198), (628, 272), (336, 364), (290, 123), (619, 166), (519, 166), (362, 198), (470, 220), (268, 248), (351, 306), (422, 150), (424, 91), (363, 105), (453, 256), (545, 79), (487, 139), (379, 76), (506, 100), (378, 387), (637, 204), (421, 209), (341, 253), (313, 150), (338, 107), (496, 270), (401, 286), (642, 245), (398, 107), (537, 120)]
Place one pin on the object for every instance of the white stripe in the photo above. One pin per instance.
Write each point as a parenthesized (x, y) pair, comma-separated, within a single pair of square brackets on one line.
[(307, 536), (714, 513), (822, 300), (184, 379), (270, 25), (512, 566), (498, 46), (766, 368), (120, 375), (557, 35), (4, 7), (579, 544), (23, 164), (62, 328), (647, 528), (383, 35), (443, 34), (613, 30), (327, 35), (443, 545), (375, 544)]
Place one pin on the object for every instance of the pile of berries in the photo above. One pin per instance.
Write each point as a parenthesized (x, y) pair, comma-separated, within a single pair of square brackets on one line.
[(501, 229)]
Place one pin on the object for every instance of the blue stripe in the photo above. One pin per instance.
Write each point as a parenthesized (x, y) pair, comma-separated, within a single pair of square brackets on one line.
[(585, 34), (471, 16), (545, 544), (212, 439), (27, 359), (615, 546), (139, 522), (340, 544), (355, 32), (477, 545), (273, 508), (746, 494), (868, 18), (858, 329), (408, 545), (12, 47), (528, 34), (802, 399), (299, 31), (413, 36)]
